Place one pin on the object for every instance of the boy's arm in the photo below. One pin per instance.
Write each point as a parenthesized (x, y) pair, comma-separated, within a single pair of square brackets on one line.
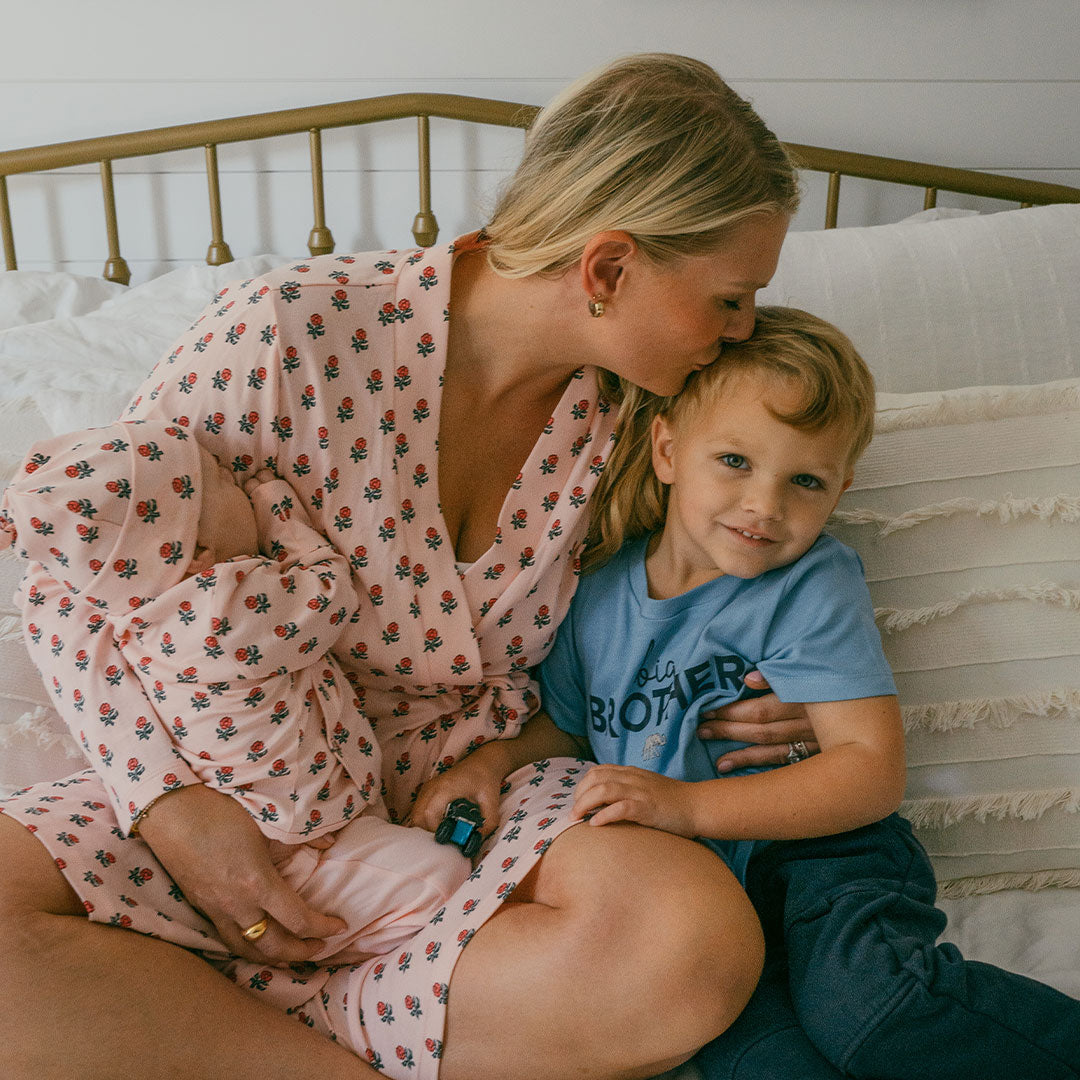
[(858, 778)]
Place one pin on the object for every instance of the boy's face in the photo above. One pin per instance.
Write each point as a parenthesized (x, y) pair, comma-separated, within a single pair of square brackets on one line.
[(748, 492), (226, 520)]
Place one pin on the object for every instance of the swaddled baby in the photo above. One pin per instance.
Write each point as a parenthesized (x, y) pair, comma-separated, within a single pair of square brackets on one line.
[(225, 604)]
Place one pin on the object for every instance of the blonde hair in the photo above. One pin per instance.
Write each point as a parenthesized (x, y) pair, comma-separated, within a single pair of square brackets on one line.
[(656, 145), (787, 344)]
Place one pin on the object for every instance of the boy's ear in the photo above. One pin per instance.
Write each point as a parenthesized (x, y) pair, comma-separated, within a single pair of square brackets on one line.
[(847, 482), (663, 450)]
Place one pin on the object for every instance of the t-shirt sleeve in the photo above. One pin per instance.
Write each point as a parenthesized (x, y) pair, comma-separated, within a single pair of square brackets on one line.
[(562, 684), (823, 643)]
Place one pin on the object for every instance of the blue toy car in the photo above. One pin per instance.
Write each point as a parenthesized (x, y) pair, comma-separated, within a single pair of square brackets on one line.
[(460, 826)]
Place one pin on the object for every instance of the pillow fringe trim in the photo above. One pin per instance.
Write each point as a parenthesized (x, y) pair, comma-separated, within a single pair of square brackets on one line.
[(992, 403), (1064, 508), (1003, 712), (939, 814), (982, 884), (895, 620)]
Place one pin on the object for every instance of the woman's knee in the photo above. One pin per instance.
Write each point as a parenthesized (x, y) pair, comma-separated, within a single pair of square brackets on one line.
[(670, 917)]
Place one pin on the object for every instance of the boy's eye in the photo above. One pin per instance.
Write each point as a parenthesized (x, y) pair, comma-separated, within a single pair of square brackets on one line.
[(733, 461), (805, 480), (733, 305)]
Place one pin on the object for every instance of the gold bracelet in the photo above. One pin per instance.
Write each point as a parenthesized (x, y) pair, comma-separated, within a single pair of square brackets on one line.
[(140, 817)]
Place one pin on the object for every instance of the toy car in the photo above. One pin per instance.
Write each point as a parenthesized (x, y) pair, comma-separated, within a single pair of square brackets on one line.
[(461, 825)]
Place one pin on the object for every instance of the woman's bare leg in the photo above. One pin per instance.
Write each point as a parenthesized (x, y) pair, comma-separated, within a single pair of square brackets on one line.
[(82, 999), (638, 948)]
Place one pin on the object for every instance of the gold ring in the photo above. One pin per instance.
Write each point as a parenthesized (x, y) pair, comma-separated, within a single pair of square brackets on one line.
[(256, 931)]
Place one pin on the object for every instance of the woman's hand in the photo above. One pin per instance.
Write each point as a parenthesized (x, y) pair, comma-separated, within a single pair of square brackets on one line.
[(214, 851), (770, 725), (474, 778)]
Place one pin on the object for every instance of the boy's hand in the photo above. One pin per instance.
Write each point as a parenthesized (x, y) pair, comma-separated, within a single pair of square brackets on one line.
[(624, 793), (469, 779)]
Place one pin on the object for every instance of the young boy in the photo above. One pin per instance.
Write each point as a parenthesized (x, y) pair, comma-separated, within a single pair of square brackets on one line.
[(232, 648), (711, 564)]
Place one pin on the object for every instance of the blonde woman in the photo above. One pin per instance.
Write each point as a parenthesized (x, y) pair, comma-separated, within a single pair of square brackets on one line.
[(445, 416)]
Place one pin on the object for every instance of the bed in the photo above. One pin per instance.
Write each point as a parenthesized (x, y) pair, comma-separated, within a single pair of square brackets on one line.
[(966, 509)]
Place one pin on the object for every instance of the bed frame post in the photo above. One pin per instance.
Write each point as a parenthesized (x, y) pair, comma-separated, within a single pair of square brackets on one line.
[(832, 204), (5, 227), (320, 239), (218, 253), (116, 267), (425, 228)]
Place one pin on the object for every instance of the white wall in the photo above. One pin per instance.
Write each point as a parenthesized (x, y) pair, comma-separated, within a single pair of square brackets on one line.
[(990, 84)]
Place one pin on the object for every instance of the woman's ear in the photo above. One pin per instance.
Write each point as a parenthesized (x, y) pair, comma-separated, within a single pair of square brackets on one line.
[(663, 450), (603, 262)]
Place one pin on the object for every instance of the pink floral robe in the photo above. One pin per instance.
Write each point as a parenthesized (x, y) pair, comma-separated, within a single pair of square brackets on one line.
[(329, 372)]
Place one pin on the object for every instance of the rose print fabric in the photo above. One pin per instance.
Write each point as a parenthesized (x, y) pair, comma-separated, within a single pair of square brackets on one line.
[(390, 1009), (270, 719), (234, 659), (328, 372)]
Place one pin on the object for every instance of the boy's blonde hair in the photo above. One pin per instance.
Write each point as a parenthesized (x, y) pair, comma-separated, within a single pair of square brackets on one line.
[(787, 344), (656, 145)]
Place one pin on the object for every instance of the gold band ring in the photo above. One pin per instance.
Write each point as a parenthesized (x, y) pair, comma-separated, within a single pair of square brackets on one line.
[(256, 931)]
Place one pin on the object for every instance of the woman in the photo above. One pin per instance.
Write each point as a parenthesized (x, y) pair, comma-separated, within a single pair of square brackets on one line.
[(649, 208)]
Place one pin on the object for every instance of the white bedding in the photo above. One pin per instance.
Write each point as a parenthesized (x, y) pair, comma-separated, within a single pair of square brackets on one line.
[(79, 368)]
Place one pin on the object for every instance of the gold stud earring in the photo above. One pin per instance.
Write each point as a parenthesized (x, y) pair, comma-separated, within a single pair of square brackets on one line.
[(596, 307)]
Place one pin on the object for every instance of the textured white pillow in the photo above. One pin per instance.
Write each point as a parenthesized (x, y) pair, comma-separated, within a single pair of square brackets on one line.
[(966, 512), (971, 301)]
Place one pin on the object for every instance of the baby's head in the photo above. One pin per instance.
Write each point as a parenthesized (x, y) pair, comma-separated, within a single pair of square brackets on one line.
[(745, 465), (226, 520), (124, 512)]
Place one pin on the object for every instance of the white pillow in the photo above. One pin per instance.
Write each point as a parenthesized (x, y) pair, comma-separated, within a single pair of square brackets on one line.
[(29, 296), (966, 512), (81, 370), (970, 301)]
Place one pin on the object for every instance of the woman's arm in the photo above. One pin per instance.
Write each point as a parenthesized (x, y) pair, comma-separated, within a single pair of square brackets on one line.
[(768, 725), (99, 696), (194, 832), (857, 778), (479, 776)]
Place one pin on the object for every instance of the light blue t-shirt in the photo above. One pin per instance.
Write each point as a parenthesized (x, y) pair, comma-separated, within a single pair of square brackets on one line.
[(633, 674)]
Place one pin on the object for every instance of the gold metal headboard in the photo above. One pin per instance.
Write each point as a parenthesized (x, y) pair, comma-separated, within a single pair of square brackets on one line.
[(315, 119)]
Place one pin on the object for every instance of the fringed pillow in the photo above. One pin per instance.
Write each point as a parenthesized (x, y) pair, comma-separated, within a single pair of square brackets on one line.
[(966, 512)]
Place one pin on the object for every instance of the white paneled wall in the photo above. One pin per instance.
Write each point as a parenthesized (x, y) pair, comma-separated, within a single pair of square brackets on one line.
[(991, 84)]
